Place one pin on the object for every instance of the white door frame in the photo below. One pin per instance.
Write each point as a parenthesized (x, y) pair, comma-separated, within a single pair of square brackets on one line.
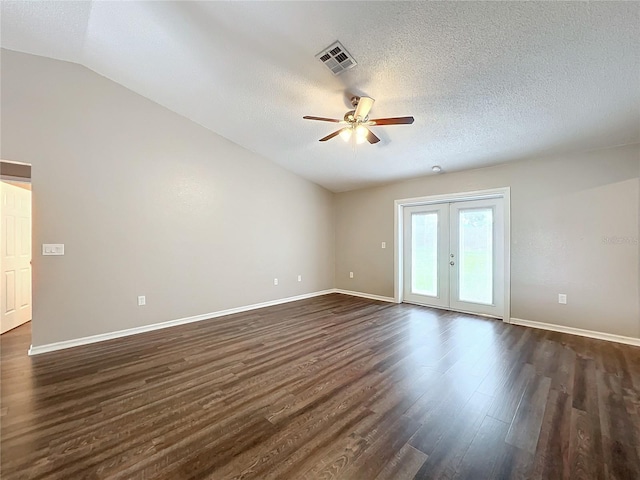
[(22, 313), (503, 192)]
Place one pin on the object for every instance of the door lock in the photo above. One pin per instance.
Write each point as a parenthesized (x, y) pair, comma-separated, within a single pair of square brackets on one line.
[(452, 263)]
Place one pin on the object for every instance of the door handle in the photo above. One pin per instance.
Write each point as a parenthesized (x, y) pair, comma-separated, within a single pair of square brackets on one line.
[(452, 263)]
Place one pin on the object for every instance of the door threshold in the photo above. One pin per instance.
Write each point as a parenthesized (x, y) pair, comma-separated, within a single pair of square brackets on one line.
[(454, 310)]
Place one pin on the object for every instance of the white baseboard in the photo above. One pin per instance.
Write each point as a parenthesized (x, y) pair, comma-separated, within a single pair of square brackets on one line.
[(577, 331), (52, 347), (365, 295)]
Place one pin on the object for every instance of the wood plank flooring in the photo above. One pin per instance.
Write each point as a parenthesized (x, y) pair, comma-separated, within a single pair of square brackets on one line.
[(332, 387)]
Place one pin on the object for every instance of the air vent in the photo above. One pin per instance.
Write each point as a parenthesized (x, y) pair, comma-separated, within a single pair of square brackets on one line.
[(336, 58)]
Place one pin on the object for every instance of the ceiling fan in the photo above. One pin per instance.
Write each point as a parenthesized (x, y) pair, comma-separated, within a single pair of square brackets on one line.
[(357, 122)]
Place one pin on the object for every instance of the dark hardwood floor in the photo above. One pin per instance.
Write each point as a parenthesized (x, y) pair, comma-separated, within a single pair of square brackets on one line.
[(330, 387)]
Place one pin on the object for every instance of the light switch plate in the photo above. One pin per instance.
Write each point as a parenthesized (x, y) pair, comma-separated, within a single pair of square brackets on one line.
[(53, 249)]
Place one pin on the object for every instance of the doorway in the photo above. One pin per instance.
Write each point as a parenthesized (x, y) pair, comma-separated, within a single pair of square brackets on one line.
[(453, 252), (15, 245)]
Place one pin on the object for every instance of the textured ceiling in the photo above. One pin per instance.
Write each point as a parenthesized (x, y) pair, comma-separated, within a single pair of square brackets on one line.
[(487, 82)]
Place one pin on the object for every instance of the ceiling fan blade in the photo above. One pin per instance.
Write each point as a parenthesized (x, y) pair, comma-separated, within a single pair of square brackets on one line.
[(331, 135), (322, 119), (371, 138), (364, 107), (392, 121)]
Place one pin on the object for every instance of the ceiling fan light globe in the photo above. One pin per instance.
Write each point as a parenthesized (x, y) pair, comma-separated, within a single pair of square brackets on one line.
[(345, 134), (361, 131)]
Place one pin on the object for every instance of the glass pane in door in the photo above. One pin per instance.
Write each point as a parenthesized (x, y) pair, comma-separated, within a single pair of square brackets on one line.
[(475, 256), (424, 254)]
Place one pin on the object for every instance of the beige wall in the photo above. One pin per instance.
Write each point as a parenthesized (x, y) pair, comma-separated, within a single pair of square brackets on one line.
[(562, 210), (149, 203)]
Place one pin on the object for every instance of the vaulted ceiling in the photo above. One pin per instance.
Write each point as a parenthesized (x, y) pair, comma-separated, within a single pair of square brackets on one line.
[(486, 82)]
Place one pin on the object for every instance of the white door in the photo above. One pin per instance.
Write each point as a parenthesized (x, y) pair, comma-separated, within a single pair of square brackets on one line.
[(426, 247), (454, 256), (15, 239)]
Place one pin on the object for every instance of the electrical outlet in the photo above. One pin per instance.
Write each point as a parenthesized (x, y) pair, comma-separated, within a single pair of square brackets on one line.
[(384, 244), (275, 281), (350, 274), (142, 300), (562, 298), (299, 278)]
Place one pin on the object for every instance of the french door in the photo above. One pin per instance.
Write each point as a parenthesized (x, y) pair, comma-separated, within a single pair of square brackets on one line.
[(454, 256)]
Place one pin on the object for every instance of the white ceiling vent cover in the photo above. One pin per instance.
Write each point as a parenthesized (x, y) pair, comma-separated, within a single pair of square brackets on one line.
[(336, 58)]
